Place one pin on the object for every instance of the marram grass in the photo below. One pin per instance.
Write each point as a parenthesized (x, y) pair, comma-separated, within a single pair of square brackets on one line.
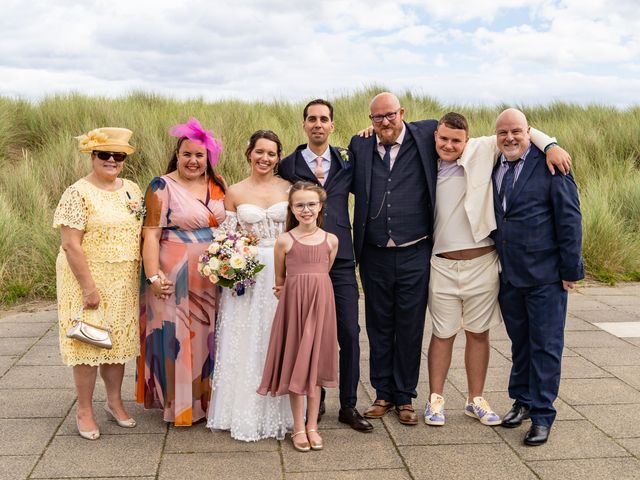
[(39, 159)]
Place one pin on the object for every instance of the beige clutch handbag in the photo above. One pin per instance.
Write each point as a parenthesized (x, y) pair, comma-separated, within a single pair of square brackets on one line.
[(89, 333)]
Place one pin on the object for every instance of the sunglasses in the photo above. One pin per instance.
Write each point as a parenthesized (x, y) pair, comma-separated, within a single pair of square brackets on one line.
[(117, 156)]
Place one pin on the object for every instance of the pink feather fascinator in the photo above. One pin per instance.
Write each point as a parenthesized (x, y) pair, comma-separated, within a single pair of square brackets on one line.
[(194, 131)]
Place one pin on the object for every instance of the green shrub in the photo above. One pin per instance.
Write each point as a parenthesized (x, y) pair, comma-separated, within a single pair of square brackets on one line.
[(39, 159)]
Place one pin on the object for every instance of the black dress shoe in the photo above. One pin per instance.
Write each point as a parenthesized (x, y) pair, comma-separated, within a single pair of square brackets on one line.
[(352, 417), (537, 435), (321, 410), (516, 415)]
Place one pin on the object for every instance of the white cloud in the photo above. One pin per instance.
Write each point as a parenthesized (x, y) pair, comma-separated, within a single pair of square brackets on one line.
[(579, 34), (440, 61), (465, 10), (467, 51), (414, 35)]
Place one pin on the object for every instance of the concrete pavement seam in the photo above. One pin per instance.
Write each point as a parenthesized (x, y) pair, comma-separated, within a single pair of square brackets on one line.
[(164, 443), (46, 447), (393, 442), (19, 357)]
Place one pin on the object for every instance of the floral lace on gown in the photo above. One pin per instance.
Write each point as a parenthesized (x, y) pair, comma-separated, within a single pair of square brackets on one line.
[(243, 330)]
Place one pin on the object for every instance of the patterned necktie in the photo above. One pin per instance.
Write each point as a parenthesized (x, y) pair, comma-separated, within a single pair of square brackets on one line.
[(319, 171), (507, 183), (386, 160)]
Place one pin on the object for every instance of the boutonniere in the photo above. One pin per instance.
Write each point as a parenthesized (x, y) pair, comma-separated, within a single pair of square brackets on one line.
[(344, 155), (136, 207)]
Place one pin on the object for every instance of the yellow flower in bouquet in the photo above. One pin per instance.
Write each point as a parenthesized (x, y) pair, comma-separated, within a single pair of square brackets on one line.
[(231, 261)]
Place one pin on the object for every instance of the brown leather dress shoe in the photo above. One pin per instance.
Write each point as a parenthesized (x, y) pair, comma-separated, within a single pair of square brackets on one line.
[(378, 409), (406, 415)]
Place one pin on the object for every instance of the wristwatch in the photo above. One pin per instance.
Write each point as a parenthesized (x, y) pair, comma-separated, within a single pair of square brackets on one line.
[(152, 279)]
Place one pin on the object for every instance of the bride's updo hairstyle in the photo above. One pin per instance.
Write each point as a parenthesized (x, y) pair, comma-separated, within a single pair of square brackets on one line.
[(292, 221)]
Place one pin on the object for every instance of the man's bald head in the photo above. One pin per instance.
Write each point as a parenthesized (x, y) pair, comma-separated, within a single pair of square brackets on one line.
[(387, 97), (512, 115), (512, 133), (386, 117)]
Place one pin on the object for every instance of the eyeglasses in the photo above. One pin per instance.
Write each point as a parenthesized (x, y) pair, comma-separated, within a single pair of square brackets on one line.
[(117, 156), (391, 116), (312, 206)]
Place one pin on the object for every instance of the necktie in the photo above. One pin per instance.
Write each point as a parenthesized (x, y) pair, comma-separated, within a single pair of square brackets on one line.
[(319, 172), (387, 156), (507, 183)]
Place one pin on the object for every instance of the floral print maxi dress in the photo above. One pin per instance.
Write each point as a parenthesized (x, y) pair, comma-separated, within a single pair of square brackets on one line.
[(177, 335)]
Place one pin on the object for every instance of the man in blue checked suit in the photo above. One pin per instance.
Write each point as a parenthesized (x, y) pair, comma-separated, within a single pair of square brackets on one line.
[(539, 242), (394, 180)]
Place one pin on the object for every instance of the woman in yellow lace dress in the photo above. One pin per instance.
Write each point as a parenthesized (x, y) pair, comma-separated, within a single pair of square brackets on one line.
[(97, 272)]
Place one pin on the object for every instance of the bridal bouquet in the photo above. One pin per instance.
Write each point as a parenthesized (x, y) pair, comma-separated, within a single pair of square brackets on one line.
[(231, 261)]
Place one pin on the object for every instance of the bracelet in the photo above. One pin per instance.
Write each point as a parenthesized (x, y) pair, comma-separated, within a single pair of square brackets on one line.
[(85, 295), (550, 146)]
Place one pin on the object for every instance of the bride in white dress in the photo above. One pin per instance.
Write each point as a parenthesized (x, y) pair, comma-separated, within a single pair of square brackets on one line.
[(257, 204)]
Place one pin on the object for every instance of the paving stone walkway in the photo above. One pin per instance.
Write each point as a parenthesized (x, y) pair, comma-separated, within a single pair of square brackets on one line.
[(596, 435)]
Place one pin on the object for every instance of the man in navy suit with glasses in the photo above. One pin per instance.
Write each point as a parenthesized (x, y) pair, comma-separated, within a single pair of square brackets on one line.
[(394, 183)]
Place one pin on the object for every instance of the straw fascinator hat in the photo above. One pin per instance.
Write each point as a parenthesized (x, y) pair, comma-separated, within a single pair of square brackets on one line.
[(106, 139)]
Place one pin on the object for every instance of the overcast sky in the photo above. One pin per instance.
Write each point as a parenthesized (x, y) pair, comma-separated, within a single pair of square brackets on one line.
[(464, 51)]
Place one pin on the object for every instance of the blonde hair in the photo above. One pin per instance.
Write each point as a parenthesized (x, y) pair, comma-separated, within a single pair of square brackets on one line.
[(292, 221)]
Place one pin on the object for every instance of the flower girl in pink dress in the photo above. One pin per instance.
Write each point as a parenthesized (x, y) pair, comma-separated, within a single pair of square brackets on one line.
[(303, 348)]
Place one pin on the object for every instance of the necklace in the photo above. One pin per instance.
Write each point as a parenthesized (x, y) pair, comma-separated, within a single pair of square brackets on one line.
[(309, 234)]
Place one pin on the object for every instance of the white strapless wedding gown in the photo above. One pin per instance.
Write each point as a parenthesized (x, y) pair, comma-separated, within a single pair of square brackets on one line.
[(243, 330)]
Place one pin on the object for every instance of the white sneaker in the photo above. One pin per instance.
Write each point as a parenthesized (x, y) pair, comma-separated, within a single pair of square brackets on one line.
[(481, 410), (434, 410)]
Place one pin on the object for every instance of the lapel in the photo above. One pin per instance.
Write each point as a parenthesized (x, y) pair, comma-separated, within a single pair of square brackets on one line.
[(371, 152), (302, 170), (496, 198), (422, 145), (335, 168), (527, 169)]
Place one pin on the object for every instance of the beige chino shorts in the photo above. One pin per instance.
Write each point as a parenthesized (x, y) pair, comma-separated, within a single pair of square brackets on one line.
[(463, 294)]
